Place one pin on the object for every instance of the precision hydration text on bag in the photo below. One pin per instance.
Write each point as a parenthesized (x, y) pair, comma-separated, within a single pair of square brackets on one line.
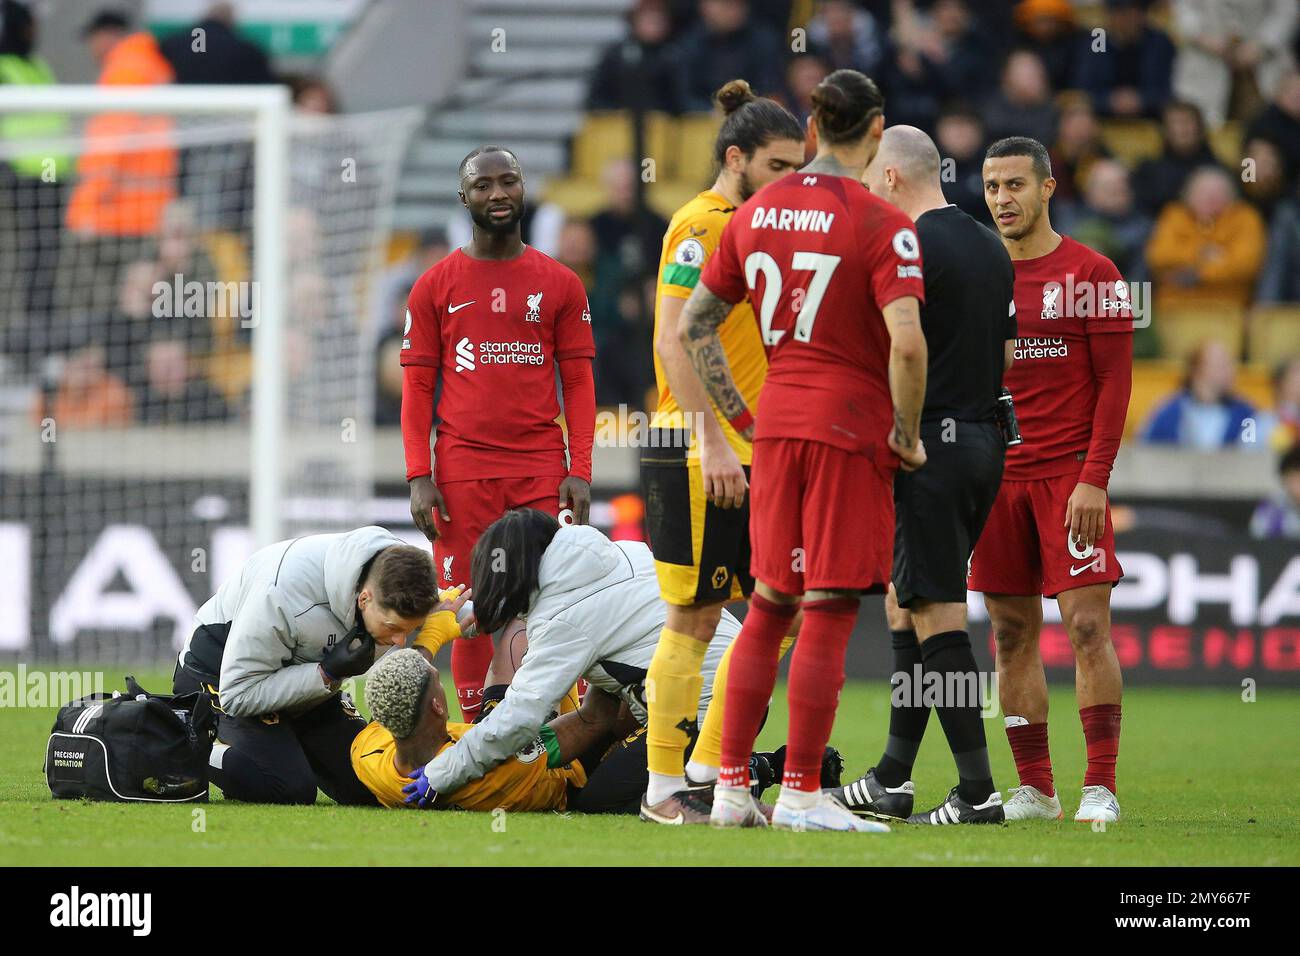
[(128, 747)]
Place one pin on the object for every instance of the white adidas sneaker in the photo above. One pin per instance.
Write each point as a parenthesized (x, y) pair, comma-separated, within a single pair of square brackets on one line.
[(1030, 803), (1098, 805), (827, 814), (735, 807)]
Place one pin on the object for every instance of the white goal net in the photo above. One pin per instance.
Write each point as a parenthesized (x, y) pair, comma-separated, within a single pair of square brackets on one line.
[(186, 366)]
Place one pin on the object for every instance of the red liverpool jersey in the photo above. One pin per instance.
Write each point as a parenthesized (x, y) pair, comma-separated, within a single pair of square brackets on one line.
[(820, 257), (1064, 301), (494, 329)]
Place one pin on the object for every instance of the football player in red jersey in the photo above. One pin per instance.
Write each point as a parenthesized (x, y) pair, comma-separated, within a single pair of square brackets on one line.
[(493, 320), (835, 277), (1049, 534)]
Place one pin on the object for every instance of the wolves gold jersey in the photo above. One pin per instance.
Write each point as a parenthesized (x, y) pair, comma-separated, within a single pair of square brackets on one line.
[(691, 239), (523, 783)]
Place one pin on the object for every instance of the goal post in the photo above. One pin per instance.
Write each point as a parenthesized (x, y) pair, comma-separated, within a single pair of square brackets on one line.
[(110, 446)]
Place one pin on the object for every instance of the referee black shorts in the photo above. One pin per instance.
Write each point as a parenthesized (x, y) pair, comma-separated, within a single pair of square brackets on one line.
[(940, 509)]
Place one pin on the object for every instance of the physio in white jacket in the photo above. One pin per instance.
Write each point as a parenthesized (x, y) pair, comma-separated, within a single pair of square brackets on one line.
[(592, 610), (270, 650)]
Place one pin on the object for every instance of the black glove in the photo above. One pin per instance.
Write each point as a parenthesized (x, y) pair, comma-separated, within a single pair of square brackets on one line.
[(832, 765), (350, 657), (761, 773), (832, 768)]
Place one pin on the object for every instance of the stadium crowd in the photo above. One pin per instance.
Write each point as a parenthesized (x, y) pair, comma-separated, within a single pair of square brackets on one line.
[(1174, 133), (82, 260), (1174, 136)]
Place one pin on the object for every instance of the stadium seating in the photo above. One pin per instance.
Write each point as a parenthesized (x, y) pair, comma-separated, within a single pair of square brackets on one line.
[(1182, 328), (682, 148), (608, 135), (1131, 141), (1154, 380), (229, 366), (1255, 384), (1274, 333), (694, 161), (1226, 141)]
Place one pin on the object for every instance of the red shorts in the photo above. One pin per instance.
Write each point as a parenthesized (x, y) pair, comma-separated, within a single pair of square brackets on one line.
[(1025, 547), (820, 518), (473, 505)]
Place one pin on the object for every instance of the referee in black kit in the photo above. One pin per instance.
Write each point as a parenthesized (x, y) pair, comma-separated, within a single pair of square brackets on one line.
[(970, 328)]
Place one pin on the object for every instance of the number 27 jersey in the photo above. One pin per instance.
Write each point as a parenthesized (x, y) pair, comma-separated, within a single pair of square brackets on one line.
[(820, 257)]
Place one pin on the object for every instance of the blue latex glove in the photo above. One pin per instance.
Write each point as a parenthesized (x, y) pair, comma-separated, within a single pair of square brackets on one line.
[(420, 791)]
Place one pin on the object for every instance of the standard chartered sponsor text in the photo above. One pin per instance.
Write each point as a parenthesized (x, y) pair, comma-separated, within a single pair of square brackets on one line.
[(511, 353), (1041, 348)]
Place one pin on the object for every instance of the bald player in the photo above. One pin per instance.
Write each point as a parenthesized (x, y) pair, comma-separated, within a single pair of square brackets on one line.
[(969, 320)]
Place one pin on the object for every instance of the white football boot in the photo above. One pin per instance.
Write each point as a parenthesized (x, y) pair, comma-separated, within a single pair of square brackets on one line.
[(735, 807), (826, 814), (1029, 803), (1099, 805)]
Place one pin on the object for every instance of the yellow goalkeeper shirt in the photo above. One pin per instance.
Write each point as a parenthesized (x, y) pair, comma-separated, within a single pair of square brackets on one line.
[(692, 237)]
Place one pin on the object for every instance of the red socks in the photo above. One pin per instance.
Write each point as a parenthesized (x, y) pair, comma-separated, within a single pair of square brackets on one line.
[(1033, 763), (816, 677), (470, 659), (1101, 732), (750, 680)]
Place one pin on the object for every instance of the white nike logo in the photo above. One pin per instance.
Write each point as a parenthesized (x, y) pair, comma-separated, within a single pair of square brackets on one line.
[(457, 308), (1090, 566)]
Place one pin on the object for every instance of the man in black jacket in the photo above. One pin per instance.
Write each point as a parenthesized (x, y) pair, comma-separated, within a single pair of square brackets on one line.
[(212, 52), (970, 329)]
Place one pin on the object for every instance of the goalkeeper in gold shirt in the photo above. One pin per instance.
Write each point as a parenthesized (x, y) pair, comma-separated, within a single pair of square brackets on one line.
[(694, 475)]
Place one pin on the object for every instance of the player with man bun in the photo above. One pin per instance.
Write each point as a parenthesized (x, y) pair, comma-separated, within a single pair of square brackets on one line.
[(835, 276), (694, 475)]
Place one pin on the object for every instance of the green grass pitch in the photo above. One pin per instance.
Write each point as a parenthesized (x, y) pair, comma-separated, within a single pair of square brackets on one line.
[(1205, 778)]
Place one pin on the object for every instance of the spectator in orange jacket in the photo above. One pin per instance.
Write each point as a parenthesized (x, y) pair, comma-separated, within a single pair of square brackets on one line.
[(88, 394), (1208, 246), (123, 192)]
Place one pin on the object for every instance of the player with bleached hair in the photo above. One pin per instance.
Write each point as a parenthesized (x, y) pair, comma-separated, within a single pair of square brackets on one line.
[(410, 727), (592, 610)]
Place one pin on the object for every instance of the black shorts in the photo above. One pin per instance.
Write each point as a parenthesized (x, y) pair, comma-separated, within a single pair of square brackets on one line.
[(616, 779), (701, 551), (940, 509), (284, 759)]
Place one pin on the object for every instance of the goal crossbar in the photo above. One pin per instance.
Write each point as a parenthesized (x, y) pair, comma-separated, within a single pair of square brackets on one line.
[(269, 106)]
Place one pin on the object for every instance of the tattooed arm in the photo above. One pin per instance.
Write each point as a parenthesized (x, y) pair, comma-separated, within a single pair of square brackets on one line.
[(698, 330), (907, 365)]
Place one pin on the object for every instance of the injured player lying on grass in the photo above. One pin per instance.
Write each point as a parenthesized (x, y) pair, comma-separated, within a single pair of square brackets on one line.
[(591, 611), (406, 699)]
